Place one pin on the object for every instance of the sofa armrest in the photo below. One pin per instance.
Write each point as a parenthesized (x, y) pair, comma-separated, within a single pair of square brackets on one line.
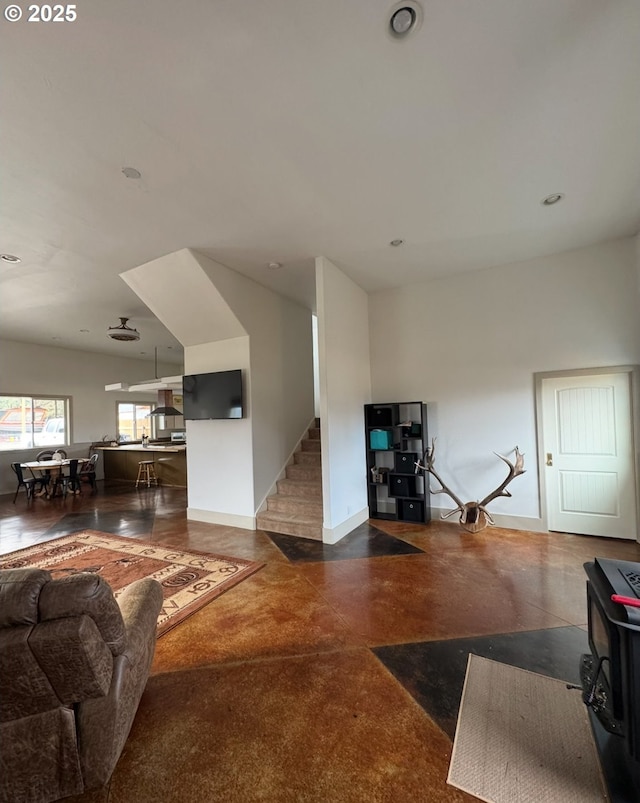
[(140, 604), (104, 723)]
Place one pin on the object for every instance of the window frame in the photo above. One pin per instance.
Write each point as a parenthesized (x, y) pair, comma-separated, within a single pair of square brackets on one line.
[(151, 425), (40, 397)]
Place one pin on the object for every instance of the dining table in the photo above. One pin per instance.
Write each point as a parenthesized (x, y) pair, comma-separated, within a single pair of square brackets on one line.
[(52, 467)]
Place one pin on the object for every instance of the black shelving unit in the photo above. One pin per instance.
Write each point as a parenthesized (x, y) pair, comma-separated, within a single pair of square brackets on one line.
[(396, 433)]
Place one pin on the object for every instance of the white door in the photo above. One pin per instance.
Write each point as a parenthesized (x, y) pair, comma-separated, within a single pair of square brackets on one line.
[(588, 455)]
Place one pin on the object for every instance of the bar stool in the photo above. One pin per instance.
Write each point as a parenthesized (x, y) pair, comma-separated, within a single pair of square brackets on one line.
[(146, 473)]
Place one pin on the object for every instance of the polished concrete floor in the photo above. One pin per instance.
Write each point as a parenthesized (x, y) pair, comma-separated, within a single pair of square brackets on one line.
[(333, 674)]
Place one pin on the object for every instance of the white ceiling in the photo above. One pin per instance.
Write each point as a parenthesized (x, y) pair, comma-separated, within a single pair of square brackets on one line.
[(282, 130)]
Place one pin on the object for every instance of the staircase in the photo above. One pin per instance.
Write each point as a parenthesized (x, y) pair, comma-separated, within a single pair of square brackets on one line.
[(296, 508)]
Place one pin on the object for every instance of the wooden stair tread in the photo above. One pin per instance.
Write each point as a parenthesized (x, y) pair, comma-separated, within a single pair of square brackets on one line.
[(298, 500), (276, 515), (316, 501)]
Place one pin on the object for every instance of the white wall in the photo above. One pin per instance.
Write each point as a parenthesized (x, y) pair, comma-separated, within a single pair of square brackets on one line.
[(281, 368), (469, 346), (345, 387), (219, 463), (316, 369), (225, 320), (638, 260), (34, 370)]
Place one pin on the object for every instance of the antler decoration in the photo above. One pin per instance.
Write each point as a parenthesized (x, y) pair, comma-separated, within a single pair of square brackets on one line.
[(473, 515)]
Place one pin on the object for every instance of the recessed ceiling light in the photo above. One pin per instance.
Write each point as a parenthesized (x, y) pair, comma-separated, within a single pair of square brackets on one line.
[(550, 200), (404, 18), (84, 330), (396, 243), (131, 172), (275, 265), (10, 258), (56, 338)]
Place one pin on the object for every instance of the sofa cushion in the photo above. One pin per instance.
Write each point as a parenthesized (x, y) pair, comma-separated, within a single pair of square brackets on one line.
[(24, 687), (74, 657), (19, 593), (90, 594)]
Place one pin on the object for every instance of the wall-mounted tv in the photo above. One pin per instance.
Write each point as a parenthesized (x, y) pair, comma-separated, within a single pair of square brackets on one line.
[(216, 395)]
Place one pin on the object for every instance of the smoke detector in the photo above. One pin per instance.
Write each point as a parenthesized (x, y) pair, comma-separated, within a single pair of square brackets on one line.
[(123, 332), (405, 17), (550, 200)]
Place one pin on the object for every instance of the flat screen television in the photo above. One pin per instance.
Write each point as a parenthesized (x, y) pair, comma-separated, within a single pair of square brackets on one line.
[(215, 395), (610, 675)]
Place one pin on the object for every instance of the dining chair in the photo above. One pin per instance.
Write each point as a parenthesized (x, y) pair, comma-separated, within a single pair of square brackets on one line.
[(28, 483), (70, 481), (88, 471), (49, 478)]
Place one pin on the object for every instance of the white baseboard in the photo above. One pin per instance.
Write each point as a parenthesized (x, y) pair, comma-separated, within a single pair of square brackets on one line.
[(509, 522), (333, 535), (226, 519)]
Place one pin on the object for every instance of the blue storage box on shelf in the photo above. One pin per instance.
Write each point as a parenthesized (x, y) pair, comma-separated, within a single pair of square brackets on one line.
[(381, 439)]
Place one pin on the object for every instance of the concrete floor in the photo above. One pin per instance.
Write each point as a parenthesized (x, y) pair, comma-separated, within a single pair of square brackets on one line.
[(333, 674)]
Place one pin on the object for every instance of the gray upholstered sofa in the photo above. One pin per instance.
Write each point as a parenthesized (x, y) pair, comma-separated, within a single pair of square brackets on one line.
[(73, 666)]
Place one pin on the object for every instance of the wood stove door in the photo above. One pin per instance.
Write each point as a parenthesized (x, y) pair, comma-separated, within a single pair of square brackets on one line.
[(588, 454)]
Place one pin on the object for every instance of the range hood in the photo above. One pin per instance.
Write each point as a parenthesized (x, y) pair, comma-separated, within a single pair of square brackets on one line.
[(165, 411), (165, 404)]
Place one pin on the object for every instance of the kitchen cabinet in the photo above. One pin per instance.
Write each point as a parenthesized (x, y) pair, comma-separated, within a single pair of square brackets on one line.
[(121, 463)]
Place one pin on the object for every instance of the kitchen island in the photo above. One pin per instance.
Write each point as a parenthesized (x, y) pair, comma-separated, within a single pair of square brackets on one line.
[(170, 462)]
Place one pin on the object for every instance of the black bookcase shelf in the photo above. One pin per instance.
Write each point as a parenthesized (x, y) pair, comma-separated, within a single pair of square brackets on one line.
[(396, 433)]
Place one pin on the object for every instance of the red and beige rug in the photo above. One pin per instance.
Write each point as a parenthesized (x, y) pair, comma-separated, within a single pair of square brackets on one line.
[(189, 579)]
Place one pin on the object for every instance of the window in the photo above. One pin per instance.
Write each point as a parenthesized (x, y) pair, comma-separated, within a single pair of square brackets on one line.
[(133, 420), (27, 421)]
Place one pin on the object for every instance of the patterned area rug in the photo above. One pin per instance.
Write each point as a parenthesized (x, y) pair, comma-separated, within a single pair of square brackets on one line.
[(189, 579)]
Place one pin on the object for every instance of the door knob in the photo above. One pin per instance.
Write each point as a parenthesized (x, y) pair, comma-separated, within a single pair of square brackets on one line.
[(549, 459)]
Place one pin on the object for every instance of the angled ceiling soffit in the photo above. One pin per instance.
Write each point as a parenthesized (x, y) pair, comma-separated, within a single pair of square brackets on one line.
[(243, 294), (184, 298)]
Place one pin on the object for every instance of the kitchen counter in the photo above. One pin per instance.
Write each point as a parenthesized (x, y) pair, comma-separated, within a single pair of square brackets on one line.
[(152, 447), (170, 462)]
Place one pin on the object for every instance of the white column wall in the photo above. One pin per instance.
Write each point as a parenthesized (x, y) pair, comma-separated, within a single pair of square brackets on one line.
[(470, 344), (638, 260), (316, 374), (219, 463), (345, 387)]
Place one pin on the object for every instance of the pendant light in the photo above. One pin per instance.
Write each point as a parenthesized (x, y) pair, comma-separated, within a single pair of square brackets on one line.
[(123, 332)]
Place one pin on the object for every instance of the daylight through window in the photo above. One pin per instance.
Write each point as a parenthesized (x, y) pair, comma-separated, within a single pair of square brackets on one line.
[(27, 421), (134, 421)]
